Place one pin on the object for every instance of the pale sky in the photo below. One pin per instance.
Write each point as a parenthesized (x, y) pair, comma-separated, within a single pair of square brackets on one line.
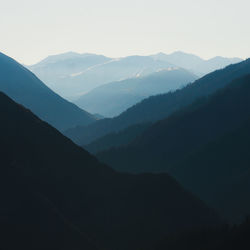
[(33, 29)]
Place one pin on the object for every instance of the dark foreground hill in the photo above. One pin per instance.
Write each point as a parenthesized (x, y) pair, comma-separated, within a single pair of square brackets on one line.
[(29, 220), (25, 88), (222, 238), (159, 107), (56, 195), (217, 172)]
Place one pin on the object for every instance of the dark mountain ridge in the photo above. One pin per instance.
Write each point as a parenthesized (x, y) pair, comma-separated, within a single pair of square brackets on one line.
[(204, 146), (113, 210), (25, 88), (115, 140), (173, 138)]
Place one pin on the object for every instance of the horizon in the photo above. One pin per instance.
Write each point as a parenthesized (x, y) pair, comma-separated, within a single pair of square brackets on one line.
[(120, 57), (119, 29)]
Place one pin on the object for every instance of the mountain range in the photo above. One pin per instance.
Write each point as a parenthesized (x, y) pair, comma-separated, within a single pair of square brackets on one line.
[(86, 72), (72, 75), (112, 99), (196, 64), (171, 172), (159, 107), (204, 146), (55, 195), (25, 88)]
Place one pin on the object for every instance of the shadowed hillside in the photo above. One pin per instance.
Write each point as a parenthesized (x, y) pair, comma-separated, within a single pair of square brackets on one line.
[(67, 185), (214, 164), (25, 88), (114, 140), (223, 238)]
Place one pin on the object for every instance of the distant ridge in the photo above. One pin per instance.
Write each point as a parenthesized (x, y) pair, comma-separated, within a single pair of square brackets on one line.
[(112, 99), (72, 74), (161, 106), (196, 64)]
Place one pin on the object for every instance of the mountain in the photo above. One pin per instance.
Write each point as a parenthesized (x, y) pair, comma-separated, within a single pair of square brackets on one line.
[(159, 107), (173, 138), (217, 62), (57, 70), (47, 182), (72, 75), (196, 64), (75, 75), (30, 221), (113, 98), (25, 88), (119, 139), (198, 146), (183, 60), (235, 237), (219, 173)]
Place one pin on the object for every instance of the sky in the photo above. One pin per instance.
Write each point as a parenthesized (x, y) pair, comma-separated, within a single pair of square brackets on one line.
[(30, 30)]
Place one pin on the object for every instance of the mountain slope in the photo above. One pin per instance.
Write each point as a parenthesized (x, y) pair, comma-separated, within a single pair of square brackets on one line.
[(173, 138), (25, 88), (180, 59), (56, 71), (113, 210), (196, 64), (29, 220), (219, 173), (226, 237), (115, 140), (113, 98), (158, 107), (199, 147), (100, 71)]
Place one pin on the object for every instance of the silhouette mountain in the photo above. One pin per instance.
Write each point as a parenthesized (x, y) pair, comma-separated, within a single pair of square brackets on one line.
[(113, 98), (214, 164), (78, 74), (196, 64), (60, 184), (159, 107), (226, 237), (25, 88), (114, 140), (30, 221), (219, 173)]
